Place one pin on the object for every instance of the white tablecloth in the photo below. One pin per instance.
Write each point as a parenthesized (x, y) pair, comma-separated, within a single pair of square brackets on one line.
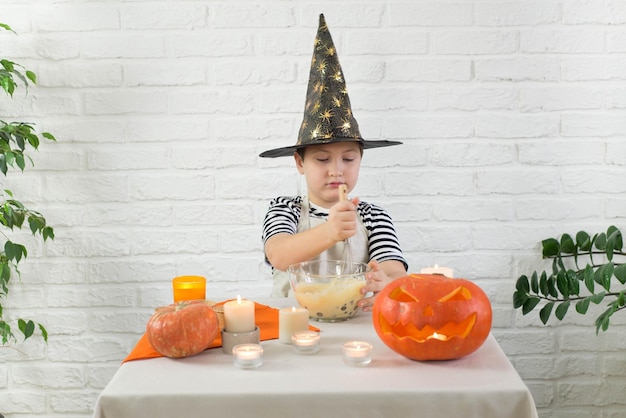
[(481, 385)]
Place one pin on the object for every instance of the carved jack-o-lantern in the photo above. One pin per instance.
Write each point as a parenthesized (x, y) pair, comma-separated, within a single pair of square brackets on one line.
[(432, 317)]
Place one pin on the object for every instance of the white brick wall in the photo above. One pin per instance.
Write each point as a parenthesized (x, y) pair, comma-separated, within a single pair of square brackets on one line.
[(512, 113)]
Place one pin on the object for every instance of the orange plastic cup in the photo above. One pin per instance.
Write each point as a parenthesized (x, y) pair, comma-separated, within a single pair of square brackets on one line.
[(189, 288)]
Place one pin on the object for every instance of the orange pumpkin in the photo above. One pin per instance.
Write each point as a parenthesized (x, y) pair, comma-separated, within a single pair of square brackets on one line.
[(432, 317), (182, 329)]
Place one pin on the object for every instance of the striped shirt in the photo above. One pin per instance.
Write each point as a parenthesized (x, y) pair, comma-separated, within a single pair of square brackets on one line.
[(284, 212)]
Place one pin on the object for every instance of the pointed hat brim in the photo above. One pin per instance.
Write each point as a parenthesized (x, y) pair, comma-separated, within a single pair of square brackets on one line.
[(288, 151)]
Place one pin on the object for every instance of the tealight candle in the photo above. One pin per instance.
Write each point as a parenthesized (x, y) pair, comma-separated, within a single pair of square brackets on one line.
[(306, 342), (357, 353), (445, 271), (291, 320), (239, 315), (189, 288), (248, 356)]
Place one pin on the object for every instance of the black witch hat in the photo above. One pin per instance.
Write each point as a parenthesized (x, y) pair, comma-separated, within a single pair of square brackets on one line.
[(328, 115)]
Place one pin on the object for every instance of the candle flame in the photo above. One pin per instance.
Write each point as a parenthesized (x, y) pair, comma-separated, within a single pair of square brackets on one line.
[(293, 309), (238, 299), (439, 337)]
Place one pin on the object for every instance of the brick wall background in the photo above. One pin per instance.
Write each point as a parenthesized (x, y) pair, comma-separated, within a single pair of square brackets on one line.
[(512, 113)]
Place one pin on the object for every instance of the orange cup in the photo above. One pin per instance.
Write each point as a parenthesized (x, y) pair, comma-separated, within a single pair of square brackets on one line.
[(189, 288)]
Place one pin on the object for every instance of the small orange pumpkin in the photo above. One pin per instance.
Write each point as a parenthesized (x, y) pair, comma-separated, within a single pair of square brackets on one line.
[(432, 317), (182, 329)]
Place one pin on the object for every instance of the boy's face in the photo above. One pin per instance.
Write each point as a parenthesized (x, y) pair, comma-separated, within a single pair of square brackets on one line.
[(326, 167)]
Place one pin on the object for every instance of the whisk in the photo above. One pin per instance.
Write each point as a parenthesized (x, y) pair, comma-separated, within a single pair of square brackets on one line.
[(347, 254)]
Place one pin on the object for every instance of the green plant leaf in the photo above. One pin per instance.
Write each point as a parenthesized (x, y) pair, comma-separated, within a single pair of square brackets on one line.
[(561, 309), (583, 241), (614, 233), (597, 298), (47, 233), (562, 284), (573, 282), (49, 136), (27, 327), (534, 283), (14, 252), (530, 304), (602, 322), (603, 275), (519, 298), (620, 273), (567, 244), (31, 76), (555, 266), (544, 313), (560, 263), (582, 305), (600, 241), (522, 284), (552, 287), (589, 278), (44, 332), (543, 284), (550, 247)]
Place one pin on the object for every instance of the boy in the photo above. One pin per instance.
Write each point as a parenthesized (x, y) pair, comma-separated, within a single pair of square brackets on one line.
[(328, 153)]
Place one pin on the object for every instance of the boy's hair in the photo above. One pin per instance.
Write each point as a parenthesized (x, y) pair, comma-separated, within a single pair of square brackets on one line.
[(300, 151)]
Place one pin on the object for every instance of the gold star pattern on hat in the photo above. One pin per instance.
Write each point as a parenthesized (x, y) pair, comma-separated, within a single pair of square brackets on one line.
[(328, 114)]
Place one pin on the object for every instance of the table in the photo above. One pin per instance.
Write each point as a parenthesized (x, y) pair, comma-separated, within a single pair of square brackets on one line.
[(481, 385)]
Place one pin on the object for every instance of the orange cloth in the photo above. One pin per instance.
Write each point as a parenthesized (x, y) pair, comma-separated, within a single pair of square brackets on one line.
[(266, 319)]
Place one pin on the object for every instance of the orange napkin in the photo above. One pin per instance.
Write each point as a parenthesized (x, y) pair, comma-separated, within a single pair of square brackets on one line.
[(266, 319)]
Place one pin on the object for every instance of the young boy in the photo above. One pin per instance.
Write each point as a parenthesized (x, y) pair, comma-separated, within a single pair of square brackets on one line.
[(328, 153)]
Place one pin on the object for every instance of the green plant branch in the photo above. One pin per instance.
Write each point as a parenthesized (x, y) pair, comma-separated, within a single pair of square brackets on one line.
[(16, 138), (557, 290)]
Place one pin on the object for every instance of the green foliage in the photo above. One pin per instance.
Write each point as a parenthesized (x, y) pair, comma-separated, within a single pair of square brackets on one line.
[(601, 278), (16, 138)]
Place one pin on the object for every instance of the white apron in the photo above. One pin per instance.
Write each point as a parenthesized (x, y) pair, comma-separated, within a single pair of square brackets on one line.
[(359, 249)]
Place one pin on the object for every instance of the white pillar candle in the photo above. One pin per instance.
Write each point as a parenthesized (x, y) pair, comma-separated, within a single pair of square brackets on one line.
[(444, 271), (291, 320), (239, 315)]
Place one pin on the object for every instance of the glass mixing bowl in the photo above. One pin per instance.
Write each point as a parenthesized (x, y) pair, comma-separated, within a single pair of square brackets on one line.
[(329, 289)]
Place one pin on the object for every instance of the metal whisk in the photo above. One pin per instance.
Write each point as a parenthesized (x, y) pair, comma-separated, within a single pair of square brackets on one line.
[(347, 254)]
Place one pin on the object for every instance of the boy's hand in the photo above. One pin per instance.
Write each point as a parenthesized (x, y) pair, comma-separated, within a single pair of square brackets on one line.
[(342, 219), (376, 280)]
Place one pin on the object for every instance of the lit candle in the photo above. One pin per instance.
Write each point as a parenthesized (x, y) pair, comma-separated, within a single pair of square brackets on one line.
[(444, 271), (306, 342), (248, 356), (291, 320), (189, 288), (239, 315), (436, 336), (357, 353)]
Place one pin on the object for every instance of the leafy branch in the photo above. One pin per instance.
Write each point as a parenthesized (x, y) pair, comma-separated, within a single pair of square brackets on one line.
[(570, 282), (16, 138)]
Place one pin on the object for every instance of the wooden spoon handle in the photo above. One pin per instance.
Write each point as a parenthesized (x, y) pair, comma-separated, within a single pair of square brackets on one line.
[(343, 192)]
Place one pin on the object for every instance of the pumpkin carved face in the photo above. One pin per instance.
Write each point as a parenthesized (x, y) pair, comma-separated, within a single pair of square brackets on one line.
[(182, 329), (432, 317)]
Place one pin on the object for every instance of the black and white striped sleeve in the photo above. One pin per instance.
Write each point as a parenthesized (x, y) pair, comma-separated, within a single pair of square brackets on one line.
[(383, 240), (281, 217)]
